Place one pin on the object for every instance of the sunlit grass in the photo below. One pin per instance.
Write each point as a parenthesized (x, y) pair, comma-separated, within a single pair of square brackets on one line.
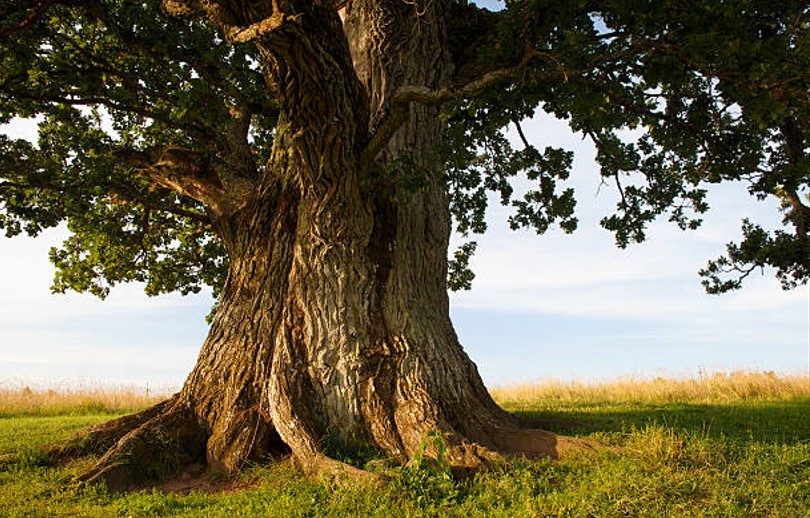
[(734, 444), (89, 399)]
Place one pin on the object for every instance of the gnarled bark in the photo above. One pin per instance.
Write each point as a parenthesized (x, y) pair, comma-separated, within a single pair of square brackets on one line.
[(334, 320)]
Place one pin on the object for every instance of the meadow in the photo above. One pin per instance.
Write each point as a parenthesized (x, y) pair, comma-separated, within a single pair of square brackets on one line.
[(735, 444)]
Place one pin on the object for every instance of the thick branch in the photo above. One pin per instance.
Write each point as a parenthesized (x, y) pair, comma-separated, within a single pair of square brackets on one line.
[(236, 167), (235, 34), (800, 214), (123, 194), (221, 16), (794, 146), (405, 95), (36, 10), (183, 171)]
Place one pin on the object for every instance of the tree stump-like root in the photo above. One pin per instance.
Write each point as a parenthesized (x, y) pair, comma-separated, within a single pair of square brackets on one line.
[(323, 467), (442, 445), (99, 438), (136, 449), (140, 448), (143, 449), (538, 443)]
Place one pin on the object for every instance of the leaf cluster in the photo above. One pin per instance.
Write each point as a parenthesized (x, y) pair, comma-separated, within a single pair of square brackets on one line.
[(675, 95), (428, 478), (106, 81)]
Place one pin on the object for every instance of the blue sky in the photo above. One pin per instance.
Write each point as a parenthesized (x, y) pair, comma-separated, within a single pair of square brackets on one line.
[(575, 306), (569, 307)]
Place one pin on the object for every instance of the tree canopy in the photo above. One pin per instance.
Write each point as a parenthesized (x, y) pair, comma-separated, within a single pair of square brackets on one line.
[(148, 113)]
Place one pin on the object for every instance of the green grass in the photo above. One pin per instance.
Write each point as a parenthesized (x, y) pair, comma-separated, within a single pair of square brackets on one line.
[(669, 456)]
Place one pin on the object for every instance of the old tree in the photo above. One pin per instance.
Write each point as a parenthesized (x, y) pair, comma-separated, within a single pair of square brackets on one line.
[(308, 159)]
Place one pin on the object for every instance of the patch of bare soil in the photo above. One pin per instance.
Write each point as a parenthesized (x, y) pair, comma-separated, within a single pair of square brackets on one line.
[(196, 478)]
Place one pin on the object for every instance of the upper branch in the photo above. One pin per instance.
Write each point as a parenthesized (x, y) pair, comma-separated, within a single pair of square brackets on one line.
[(405, 95), (236, 34), (122, 193), (470, 30), (800, 215), (235, 28), (31, 11)]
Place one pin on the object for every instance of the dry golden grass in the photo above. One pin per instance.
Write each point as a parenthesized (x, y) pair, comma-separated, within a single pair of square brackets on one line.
[(716, 387), (27, 401)]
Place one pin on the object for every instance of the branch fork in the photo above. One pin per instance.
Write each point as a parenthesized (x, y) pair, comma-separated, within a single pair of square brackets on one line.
[(405, 95), (236, 34)]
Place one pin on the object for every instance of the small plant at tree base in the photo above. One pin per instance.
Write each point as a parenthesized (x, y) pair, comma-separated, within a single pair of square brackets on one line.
[(145, 467), (428, 480)]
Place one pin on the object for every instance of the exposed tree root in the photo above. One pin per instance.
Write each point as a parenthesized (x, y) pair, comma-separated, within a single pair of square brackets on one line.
[(98, 439), (326, 468), (167, 440), (175, 437), (137, 448), (160, 445), (536, 443), (240, 437)]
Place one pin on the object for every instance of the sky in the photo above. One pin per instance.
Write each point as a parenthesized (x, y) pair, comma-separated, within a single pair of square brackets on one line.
[(553, 306)]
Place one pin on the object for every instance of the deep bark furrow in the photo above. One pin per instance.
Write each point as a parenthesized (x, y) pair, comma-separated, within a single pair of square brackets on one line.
[(228, 388), (333, 325)]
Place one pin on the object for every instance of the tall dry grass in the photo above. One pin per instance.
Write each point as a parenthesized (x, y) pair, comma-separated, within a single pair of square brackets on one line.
[(82, 399), (706, 388)]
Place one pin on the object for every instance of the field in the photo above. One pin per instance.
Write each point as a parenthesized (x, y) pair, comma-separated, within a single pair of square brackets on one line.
[(719, 445)]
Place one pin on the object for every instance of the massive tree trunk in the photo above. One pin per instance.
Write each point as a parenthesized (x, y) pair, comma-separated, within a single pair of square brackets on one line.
[(333, 326)]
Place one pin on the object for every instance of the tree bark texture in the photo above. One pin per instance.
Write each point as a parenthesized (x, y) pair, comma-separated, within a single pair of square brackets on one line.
[(333, 324)]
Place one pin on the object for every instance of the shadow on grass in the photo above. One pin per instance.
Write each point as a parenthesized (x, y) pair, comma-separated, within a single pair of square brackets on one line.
[(770, 422)]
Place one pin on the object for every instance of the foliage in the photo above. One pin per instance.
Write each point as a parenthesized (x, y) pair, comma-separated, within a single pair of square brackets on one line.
[(104, 80), (710, 454), (674, 94)]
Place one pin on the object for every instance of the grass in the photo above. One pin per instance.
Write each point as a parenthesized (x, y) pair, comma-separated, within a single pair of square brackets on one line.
[(712, 388), (720, 445), (94, 399)]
